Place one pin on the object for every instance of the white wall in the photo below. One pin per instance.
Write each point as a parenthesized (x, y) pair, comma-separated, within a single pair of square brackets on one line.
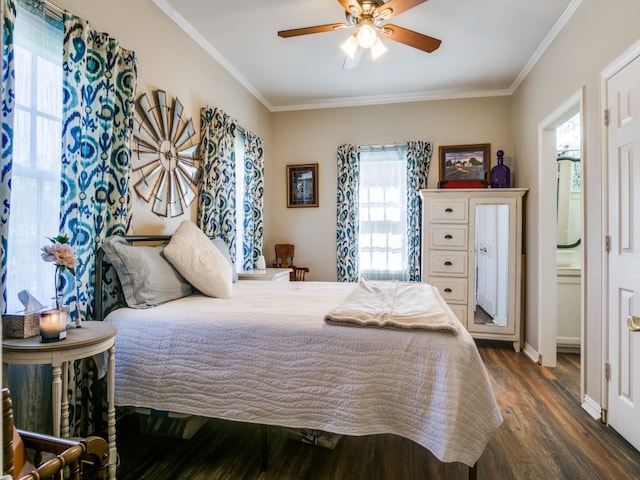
[(313, 137), (169, 60), (597, 33)]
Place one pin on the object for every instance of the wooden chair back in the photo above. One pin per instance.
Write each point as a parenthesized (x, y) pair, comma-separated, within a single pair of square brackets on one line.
[(284, 255), (67, 452), (284, 259), (7, 433)]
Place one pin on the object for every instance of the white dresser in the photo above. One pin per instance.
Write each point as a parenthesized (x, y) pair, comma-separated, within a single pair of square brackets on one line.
[(472, 252)]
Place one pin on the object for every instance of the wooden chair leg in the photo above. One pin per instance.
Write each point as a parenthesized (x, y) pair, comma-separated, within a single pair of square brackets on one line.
[(264, 448), (473, 472)]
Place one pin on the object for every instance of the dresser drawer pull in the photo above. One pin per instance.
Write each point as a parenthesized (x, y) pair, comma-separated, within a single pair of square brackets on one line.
[(448, 263), (448, 290), (449, 210), (448, 237)]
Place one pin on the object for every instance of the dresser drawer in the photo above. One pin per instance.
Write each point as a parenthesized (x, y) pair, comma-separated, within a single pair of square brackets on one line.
[(448, 236), (453, 290), (443, 263), (453, 211), (460, 311)]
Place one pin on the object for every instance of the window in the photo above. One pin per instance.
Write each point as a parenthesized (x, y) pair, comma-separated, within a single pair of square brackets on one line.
[(383, 213), (35, 181)]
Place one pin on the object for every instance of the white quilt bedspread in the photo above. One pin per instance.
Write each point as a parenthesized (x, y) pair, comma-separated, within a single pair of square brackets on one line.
[(267, 356)]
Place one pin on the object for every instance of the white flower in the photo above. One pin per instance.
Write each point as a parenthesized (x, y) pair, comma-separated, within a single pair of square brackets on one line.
[(60, 253)]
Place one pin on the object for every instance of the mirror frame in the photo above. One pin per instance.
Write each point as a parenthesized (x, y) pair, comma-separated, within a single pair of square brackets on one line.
[(512, 290)]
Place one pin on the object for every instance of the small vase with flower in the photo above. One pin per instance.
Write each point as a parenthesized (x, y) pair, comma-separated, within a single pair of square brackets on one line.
[(63, 256)]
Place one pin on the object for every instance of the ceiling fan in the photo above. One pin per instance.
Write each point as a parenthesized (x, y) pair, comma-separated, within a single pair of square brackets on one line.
[(368, 17)]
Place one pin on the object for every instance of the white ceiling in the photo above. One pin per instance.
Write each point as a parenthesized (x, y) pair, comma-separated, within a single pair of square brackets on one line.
[(487, 47)]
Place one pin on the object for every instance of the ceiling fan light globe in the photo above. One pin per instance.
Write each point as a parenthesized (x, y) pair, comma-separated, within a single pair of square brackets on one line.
[(377, 49), (350, 46), (366, 35)]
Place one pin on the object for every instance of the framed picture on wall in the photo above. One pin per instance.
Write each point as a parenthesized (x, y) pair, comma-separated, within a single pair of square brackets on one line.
[(302, 185), (465, 166)]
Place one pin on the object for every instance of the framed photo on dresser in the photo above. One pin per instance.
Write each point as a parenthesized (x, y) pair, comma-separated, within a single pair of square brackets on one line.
[(465, 166)]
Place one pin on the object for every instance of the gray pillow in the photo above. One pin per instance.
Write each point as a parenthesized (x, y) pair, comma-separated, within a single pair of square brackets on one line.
[(222, 246), (147, 278)]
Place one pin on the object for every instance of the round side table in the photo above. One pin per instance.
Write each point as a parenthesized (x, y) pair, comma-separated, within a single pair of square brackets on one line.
[(92, 339)]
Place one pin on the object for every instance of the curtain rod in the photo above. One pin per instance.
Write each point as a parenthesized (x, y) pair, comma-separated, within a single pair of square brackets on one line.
[(47, 7), (388, 145), (54, 8)]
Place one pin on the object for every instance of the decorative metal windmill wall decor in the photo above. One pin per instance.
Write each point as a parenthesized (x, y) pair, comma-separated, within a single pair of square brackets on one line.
[(166, 154)]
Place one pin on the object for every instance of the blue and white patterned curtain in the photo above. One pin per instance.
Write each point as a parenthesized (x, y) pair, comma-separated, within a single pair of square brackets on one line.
[(8, 105), (418, 160), (99, 87), (217, 196), (99, 83), (253, 200), (347, 213), (217, 192)]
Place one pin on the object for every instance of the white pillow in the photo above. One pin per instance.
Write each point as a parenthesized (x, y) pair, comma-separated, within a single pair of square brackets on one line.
[(146, 277), (199, 261)]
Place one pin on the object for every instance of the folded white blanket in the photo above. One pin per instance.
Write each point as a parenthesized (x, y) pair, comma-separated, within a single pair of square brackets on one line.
[(394, 304)]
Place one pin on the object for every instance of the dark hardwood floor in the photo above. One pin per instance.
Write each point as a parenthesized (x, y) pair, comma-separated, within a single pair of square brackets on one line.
[(546, 435)]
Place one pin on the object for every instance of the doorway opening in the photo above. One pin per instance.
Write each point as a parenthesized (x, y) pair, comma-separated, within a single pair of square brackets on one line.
[(569, 233), (566, 122)]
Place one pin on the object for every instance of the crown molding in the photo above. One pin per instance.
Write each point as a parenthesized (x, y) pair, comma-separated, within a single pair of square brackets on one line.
[(546, 43), (207, 47)]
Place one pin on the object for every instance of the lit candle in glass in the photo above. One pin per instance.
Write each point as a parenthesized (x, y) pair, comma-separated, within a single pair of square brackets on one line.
[(52, 323)]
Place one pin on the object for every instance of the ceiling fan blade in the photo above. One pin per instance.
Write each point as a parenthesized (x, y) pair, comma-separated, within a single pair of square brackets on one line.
[(307, 30), (395, 7), (411, 38), (352, 7), (350, 63)]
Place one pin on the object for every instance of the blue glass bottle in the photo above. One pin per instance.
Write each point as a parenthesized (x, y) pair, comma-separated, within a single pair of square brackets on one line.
[(500, 174)]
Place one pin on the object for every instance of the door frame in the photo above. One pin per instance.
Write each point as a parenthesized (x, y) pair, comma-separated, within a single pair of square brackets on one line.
[(613, 68), (547, 260)]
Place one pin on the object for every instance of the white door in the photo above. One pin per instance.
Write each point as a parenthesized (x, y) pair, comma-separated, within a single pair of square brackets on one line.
[(623, 92)]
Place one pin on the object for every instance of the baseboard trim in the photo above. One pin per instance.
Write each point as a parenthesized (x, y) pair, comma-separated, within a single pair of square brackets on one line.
[(531, 352), (592, 407), (564, 348), (568, 344)]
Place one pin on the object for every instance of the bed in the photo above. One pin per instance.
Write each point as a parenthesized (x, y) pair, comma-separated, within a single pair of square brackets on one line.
[(267, 355)]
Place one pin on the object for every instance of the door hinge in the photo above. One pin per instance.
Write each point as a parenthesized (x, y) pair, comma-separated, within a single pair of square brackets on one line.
[(606, 117), (607, 371), (607, 243)]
